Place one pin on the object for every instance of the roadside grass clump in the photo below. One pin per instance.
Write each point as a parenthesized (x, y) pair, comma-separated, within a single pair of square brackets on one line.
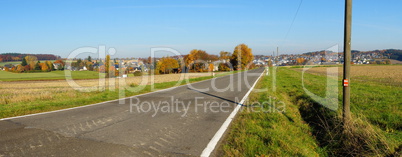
[(358, 138), (361, 138)]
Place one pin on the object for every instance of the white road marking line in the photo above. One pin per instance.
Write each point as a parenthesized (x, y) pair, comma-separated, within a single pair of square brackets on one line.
[(218, 135)]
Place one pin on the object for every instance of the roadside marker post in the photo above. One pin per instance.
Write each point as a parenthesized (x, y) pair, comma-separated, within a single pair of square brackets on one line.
[(346, 83)]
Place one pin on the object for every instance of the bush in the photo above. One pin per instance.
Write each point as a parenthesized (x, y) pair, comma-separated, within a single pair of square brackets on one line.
[(138, 73), (223, 67)]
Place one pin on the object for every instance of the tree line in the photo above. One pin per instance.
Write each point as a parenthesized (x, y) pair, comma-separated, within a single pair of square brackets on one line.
[(8, 57), (200, 61), (32, 64), (196, 61)]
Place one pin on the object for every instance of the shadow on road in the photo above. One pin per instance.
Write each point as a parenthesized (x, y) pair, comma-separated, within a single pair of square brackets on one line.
[(237, 103)]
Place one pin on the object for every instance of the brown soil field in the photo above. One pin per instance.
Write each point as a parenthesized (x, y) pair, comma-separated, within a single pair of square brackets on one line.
[(24, 91), (388, 74)]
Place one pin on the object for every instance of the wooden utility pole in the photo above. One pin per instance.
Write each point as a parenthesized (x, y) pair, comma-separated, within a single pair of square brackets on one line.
[(347, 59)]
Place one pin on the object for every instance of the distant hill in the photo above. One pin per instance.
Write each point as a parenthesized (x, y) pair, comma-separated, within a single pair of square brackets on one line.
[(8, 57), (395, 54), (389, 53)]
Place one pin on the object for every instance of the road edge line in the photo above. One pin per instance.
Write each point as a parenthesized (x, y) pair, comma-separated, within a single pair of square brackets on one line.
[(218, 135)]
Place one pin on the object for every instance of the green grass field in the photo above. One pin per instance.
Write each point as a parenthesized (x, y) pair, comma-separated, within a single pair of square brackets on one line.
[(53, 75), (13, 63), (19, 62), (308, 129)]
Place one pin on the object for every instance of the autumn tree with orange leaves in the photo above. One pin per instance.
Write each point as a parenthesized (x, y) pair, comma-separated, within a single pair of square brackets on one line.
[(166, 65), (61, 64), (300, 61), (223, 55), (44, 67), (242, 56), (197, 60)]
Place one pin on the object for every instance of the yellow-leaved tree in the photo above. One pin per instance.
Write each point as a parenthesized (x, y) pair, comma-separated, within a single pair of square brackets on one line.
[(44, 67), (223, 55), (31, 61), (241, 57), (49, 65), (196, 60), (20, 68), (166, 64)]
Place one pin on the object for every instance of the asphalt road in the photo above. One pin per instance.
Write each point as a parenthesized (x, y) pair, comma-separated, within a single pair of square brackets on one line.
[(176, 122)]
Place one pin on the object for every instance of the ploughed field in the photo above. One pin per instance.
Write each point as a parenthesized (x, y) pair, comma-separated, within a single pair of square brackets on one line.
[(384, 74)]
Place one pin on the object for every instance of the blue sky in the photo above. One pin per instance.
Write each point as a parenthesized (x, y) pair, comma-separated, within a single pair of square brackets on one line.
[(133, 27)]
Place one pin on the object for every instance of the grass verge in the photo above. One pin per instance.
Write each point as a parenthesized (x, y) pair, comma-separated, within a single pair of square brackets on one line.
[(306, 128), (269, 125)]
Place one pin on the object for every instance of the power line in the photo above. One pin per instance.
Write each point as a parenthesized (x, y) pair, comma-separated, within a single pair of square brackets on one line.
[(294, 18)]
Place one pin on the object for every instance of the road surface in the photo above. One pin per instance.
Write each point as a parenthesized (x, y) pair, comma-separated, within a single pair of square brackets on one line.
[(176, 122)]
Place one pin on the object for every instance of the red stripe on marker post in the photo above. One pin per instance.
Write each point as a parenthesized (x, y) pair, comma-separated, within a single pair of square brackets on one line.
[(346, 83)]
